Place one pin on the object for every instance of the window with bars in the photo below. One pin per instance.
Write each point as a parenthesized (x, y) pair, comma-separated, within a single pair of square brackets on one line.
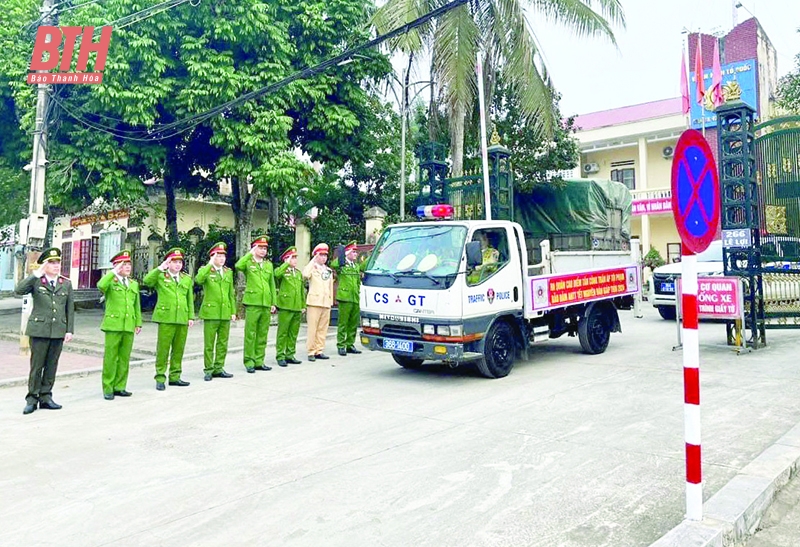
[(66, 258)]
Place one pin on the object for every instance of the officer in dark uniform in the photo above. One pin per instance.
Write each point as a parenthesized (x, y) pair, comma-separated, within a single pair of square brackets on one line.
[(50, 325)]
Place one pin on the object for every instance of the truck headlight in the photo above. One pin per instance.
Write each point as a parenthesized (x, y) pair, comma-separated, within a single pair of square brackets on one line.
[(456, 330), (365, 322), (428, 329), (374, 323), (443, 330)]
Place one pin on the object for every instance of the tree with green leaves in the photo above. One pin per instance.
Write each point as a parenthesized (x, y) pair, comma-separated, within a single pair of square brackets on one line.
[(499, 30), (789, 88)]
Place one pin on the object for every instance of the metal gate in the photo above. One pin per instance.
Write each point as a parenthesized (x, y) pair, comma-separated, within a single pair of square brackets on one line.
[(778, 176)]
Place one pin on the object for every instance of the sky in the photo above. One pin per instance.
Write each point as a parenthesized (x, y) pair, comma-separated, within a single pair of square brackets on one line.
[(591, 74)]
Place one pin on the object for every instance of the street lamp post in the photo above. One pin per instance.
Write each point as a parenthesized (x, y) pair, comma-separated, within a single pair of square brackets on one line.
[(404, 102)]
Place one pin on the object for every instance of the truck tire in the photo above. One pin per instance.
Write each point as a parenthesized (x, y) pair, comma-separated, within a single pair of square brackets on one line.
[(406, 361), (667, 312), (594, 330), (498, 351)]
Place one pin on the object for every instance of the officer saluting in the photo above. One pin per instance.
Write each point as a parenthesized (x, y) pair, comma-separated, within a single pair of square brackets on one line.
[(217, 311), (259, 301), (122, 319), (291, 305), (50, 325), (348, 295), (174, 314)]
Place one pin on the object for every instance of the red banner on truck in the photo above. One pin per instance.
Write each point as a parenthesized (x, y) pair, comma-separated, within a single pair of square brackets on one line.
[(556, 291)]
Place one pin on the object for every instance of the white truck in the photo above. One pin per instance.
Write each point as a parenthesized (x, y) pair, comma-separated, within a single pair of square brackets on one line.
[(464, 292)]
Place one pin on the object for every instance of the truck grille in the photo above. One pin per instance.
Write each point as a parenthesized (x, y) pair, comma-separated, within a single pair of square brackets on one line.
[(401, 331)]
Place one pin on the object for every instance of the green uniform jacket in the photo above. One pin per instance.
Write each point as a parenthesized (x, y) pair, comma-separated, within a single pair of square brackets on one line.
[(175, 303), (53, 313), (219, 300), (260, 282), (349, 276), (291, 290), (123, 308)]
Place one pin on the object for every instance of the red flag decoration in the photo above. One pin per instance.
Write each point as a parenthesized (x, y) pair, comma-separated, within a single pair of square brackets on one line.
[(716, 79), (684, 87), (698, 71)]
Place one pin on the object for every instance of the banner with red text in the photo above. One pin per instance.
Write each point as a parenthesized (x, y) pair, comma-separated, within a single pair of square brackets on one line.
[(556, 291)]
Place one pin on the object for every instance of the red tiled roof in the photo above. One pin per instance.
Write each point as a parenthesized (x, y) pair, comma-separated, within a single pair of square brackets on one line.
[(628, 114)]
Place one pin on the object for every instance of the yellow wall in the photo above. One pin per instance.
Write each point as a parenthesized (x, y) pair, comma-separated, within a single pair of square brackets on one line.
[(662, 232)]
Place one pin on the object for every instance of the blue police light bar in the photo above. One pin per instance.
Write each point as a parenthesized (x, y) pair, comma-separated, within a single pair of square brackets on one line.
[(435, 212)]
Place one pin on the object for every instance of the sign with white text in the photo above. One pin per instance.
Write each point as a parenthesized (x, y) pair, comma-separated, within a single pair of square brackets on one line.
[(719, 298)]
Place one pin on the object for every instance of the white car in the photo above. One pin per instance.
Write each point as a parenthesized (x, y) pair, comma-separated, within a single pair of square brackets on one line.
[(664, 280)]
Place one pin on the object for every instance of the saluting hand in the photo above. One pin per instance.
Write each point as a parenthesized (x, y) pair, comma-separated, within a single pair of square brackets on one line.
[(39, 272), (164, 266)]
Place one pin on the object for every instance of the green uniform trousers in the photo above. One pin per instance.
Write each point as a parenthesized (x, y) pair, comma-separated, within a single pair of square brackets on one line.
[(215, 348), (288, 327), (170, 345), (116, 361), (349, 318), (256, 329)]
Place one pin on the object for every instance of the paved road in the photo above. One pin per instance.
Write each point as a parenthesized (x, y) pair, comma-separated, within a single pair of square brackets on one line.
[(570, 450)]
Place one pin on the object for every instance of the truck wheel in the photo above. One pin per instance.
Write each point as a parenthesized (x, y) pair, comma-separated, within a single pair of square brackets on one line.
[(667, 312), (594, 331), (498, 352), (407, 362)]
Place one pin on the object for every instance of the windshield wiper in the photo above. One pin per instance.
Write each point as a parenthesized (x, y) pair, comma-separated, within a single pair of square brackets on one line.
[(426, 274), (386, 272)]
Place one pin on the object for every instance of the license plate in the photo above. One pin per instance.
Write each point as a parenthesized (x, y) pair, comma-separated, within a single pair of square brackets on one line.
[(403, 346), (668, 287)]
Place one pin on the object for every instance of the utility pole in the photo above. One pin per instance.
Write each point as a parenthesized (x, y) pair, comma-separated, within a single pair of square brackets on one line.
[(37, 222)]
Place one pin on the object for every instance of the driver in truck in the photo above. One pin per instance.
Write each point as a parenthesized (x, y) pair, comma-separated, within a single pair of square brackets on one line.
[(491, 257)]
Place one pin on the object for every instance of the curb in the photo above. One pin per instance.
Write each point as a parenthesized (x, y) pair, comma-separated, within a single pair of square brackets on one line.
[(13, 382), (734, 513)]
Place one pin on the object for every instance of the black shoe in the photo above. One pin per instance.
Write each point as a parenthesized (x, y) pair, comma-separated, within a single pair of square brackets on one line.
[(353, 350), (222, 374), (108, 396), (321, 356), (49, 405), (264, 367), (312, 358), (178, 382), (207, 377), (281, 363), (29, 408), (123, 393), (342, 352), (293, 361), (160, 386), (251, 370)]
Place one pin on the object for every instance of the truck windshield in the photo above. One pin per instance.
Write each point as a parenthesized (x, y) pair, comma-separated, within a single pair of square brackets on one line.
[(422, 256)]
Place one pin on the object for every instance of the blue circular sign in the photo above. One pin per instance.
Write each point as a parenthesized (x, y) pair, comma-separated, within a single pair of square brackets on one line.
[(695, 192)]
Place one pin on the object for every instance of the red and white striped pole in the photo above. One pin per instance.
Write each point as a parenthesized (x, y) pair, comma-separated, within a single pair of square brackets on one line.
[(691, 386)]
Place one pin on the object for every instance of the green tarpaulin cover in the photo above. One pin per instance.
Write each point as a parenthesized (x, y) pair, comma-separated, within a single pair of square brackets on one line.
[(579, 206)]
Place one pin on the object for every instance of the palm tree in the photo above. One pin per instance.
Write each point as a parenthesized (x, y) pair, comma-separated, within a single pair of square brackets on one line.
[(499, 30)]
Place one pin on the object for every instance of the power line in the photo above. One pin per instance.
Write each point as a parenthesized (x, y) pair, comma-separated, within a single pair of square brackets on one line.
[(165, 131)]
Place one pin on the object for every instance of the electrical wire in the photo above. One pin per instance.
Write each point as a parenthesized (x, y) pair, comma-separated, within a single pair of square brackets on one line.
[(173, 129)]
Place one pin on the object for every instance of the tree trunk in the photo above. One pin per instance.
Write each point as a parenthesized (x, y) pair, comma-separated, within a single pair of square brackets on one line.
[(457, 140), (172, 212), (243, 205)]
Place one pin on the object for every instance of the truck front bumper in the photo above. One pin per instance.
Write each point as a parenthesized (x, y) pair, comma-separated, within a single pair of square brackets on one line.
[(428, 351)]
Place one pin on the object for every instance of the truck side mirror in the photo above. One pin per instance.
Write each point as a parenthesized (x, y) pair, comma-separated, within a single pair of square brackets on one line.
[(474, 254)]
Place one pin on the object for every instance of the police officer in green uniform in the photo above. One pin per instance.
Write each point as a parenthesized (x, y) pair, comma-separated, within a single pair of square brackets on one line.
[(123, 318), (217, 311), (348, 295), (50, 325), (291, 305), (174, 314), (259, 301)]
